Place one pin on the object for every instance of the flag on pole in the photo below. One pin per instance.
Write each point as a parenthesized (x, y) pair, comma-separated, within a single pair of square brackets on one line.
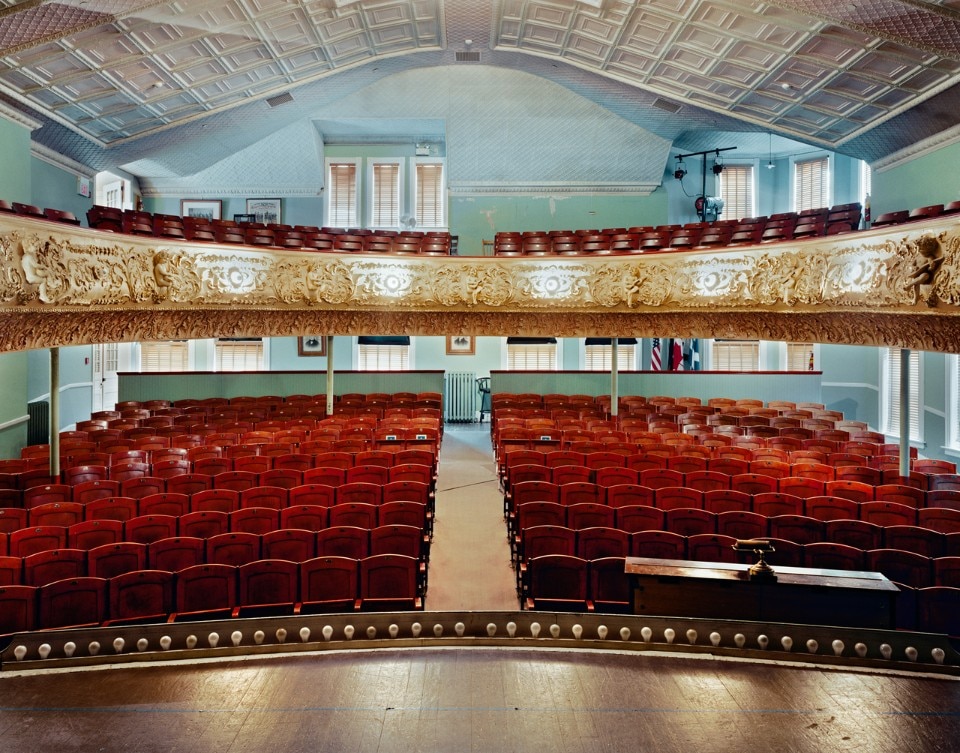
[(676, 354), (655, 364), (691, 354)]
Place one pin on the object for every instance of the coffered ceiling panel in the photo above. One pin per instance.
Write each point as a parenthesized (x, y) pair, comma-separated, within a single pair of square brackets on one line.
[(130, 82)]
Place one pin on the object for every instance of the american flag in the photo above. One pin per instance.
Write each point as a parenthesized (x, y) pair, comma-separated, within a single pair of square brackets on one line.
[(655, 363)]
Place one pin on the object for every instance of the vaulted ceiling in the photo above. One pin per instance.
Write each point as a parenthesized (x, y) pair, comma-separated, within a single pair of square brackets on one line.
[(177, 92)]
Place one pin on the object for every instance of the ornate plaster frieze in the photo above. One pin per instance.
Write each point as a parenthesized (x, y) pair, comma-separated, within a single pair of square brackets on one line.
[(63, 285)]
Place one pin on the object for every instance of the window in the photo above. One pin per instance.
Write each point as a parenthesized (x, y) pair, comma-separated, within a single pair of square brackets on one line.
[(890, 408), (385, 194), (342, 193), (736, 190), (953, 401), (383, 353), (800, 357), (239, 354), (171, 355), (811, 183), (429, 194), (597, 354), (531, 353), (866, 188), (735, 355)]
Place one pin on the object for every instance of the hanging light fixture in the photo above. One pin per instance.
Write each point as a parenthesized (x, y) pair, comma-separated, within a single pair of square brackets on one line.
[(770, 164)]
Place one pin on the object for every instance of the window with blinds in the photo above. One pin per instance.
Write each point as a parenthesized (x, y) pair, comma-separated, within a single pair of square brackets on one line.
[(531, 354), (800, 357), (385, 194), (891, 410), (171, 355), (598, 356), (735, 355), (240, 354), (953, 401), (430, 195), (377, 357), (736, 190), (342, 194), (811, 183)]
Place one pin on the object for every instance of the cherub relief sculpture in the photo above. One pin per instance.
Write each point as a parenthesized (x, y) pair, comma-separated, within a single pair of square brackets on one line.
[(923, 277)]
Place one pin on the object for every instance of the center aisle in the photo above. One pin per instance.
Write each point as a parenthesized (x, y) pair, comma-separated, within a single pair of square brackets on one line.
[(470, 565)]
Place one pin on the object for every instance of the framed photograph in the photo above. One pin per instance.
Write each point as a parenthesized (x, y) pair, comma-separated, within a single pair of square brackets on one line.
[(208, 209), (312, 345), (265, 210), (461, 345)]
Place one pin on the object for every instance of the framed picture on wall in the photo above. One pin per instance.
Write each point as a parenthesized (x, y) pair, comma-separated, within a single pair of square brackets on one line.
[(208, 209), (312, 345), (460, 345), (266, 211)]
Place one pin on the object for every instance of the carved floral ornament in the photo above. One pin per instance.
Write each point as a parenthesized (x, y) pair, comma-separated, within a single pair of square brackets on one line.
[(894, 272)]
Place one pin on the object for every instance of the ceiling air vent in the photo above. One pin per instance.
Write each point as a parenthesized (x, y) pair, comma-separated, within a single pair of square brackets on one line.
[(666, 105), (280, 99), (468, 56)]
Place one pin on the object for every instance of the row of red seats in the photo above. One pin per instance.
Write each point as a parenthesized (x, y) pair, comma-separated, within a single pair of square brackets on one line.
[(277, 235), (174, 504), (839, 499), (802, 479), (568, 583), (942, 569), (900, 216), (878, 527), (384, 582), (227, 548), (320, 489), (29, 210), (283, 469), (841, 218)]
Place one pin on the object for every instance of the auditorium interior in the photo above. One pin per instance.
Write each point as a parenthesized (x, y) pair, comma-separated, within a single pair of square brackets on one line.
[(681, 272)]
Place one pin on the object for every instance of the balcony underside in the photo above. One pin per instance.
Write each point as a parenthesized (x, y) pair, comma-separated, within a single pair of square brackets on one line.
[(62, 285)]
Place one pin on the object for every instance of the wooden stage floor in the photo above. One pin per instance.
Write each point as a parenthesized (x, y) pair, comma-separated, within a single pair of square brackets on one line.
[(497, 700)]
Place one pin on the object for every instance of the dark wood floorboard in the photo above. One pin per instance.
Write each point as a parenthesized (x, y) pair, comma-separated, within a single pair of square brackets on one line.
[(477, 700)]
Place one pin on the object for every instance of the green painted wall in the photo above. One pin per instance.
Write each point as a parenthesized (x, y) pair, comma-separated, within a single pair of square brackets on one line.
[(478, 217), (933, 178), (57, 188), (15, 173)]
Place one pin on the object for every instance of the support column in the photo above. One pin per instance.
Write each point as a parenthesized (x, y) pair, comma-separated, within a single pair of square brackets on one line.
[(904, 412), (614, 378), (329, 375), (55, 412)]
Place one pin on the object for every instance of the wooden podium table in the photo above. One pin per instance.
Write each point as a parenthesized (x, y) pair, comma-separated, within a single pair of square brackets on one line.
[(725, 591)]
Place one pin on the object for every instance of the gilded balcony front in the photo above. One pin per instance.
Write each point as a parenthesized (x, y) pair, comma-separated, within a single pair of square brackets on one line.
[(63, 285)]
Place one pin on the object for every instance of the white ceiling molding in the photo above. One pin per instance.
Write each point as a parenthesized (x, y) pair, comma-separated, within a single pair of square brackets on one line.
[(15, 116), (58, 160), (920, 149)]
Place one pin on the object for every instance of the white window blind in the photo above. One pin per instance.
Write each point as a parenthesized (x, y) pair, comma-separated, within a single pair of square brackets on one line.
[(735, 355), (430, 198), (342, 194), (385, 200), (892, 410), (953, 401), (800, 357), (239, 355), (600, 357), (171, 355), (736, 190), (383, 357), (531, 356), (811, 179)]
